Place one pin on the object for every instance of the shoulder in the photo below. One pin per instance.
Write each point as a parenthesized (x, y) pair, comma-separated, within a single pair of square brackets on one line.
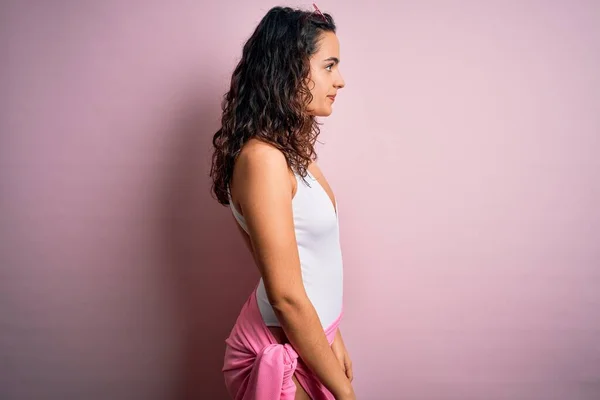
[(262, 157), (260, 167)]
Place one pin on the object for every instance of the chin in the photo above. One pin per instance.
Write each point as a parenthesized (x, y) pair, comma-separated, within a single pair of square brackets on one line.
[(324, 112)]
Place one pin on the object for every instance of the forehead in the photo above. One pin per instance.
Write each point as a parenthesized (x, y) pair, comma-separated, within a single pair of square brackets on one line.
[(328, 46)]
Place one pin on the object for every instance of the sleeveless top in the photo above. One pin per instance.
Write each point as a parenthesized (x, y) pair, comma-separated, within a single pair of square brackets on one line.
[(316, 226)]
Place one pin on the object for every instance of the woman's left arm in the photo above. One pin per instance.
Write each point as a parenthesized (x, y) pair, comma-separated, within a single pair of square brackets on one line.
[(340, 351)]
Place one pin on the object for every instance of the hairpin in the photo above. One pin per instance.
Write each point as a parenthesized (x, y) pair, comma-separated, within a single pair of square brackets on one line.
[(319, 11)]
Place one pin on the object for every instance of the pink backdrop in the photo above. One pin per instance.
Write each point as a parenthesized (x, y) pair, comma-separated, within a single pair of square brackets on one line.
[(463, 152)]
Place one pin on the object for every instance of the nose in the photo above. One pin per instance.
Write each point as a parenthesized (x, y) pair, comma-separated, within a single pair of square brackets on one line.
[(339, 82)]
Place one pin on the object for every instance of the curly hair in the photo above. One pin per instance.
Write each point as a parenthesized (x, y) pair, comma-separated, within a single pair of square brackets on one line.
[(269, 94)]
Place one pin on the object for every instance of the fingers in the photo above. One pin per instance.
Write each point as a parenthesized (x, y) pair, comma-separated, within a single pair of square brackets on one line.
[(348, 368)]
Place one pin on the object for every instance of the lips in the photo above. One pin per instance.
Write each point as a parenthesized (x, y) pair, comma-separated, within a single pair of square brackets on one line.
[(332, 97)]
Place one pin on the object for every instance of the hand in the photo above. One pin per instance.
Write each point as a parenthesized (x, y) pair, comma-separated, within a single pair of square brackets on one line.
[(349, 397), (339, 349)]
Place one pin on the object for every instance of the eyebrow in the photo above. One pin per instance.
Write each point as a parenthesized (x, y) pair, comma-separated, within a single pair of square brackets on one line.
[(334, 59)]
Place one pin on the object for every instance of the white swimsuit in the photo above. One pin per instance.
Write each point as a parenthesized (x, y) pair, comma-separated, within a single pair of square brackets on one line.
[(316, 226)]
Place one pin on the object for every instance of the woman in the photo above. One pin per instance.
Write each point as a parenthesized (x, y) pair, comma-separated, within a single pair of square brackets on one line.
[(286, 343)]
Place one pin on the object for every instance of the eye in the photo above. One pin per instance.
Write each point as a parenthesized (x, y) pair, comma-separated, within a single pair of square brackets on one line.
[(329, 66)]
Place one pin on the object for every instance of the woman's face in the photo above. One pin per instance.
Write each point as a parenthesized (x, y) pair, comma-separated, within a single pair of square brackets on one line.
[(325, 79)]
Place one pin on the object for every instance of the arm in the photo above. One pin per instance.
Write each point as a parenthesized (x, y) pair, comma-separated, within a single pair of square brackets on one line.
[(339, 349), (265, 196)]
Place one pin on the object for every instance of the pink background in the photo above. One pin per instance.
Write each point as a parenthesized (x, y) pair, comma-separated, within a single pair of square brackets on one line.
[(464, 153)]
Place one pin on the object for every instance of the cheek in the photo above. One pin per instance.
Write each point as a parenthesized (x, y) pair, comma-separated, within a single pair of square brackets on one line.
[(319, 85), (321, 94)]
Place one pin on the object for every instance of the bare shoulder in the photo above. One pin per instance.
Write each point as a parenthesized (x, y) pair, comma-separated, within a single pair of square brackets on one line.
[(260, 155), (259, 166)]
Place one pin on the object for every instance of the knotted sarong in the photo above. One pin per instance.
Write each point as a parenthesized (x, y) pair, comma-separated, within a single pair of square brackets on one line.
[(256, 367)]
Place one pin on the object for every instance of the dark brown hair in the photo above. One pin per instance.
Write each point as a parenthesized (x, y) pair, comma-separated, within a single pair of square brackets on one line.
[(269, 94)]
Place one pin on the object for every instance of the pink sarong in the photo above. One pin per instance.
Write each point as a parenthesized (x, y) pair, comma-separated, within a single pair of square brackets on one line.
[(256, 367)]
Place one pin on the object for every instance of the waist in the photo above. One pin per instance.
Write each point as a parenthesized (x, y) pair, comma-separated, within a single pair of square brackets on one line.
[(326, 298), (281, 338)]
